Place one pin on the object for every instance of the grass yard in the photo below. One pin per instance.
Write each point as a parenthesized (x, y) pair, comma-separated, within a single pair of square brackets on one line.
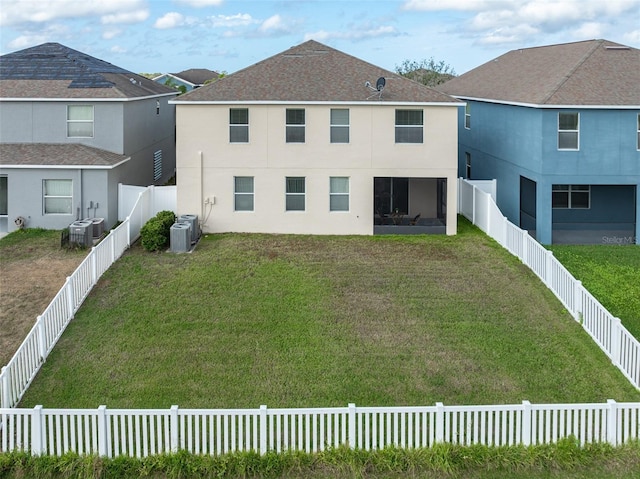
[(611, 273), (309, 321)]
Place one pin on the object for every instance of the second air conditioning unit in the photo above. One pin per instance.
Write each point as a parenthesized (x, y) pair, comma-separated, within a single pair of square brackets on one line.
[(180, 237)]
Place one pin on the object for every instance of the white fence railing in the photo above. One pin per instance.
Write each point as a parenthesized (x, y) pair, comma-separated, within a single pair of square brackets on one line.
[(621, 346), (17, 375), (140, 433)]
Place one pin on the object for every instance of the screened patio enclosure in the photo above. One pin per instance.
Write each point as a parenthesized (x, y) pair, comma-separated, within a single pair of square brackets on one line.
[(409, 205)]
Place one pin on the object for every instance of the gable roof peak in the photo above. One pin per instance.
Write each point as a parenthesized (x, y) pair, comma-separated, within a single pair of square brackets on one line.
[(313, 72)]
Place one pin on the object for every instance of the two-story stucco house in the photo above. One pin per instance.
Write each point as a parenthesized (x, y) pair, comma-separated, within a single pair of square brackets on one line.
[(315, 141), (559, 128), (71, 128)]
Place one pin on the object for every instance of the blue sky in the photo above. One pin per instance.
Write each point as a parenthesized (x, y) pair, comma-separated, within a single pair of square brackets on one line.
[(227, 35)]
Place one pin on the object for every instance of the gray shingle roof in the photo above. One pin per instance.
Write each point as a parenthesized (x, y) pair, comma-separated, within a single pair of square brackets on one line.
[(52, 70), (590, 73), (56, 154), (313, 72), (197, 76)]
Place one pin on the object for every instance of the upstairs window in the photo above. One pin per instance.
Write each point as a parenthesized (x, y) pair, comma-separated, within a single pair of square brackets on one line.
[(239, 125), (339, 193), (57, 197), (295, 125), (409, 126), (243, 193), (80, 121), (157, 165), (568, 131), (295, 193), (570, 196), (467, 116), (339, 125)]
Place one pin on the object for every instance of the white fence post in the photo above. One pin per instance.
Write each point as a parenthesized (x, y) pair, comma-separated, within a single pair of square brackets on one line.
[(612, 422), (174, 427), (41, 338), (577, 301), (102, 431), (351, 438), (5, 400), (525, 250), (94, 266), (616, 325), (526, 423), (548, 270), (439, 422), (37, 442), (68, 286), (264, 446)]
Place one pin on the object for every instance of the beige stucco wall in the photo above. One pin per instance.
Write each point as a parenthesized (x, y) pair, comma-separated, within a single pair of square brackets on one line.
[(207, 164)]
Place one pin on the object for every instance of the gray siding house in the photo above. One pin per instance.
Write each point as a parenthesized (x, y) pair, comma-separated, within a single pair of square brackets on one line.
[(71, 128)]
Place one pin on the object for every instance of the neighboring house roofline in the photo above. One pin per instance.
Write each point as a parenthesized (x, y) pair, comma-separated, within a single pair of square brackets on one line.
[(89, 99), (176, 77), (550, 107), (352, 103), (65, 167)]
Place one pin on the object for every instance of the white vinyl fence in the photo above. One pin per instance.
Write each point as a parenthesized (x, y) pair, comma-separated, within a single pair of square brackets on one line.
[(606, 330), (140, 433), (17, 375)]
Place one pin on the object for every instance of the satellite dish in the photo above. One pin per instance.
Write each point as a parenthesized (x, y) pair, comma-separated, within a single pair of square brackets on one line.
[(380, 83)]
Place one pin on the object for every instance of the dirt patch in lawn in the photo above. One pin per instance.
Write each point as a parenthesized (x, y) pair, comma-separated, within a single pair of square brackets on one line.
[(33, 268)]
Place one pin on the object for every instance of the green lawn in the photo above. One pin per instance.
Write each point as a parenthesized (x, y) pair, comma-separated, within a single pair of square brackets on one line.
[(611, 273), (309, 321)]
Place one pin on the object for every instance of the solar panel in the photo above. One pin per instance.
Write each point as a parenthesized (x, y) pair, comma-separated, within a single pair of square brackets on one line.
[(53, 61)]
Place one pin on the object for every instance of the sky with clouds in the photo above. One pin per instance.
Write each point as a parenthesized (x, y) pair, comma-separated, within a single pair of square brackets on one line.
[(227, 35)]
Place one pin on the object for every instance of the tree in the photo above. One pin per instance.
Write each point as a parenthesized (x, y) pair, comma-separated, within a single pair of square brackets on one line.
[(428, 72)]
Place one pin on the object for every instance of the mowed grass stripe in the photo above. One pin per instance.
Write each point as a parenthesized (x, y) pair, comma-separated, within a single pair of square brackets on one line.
[(304, 321)]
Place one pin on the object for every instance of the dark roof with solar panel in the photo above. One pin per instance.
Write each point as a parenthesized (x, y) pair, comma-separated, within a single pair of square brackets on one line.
[(52, 70)]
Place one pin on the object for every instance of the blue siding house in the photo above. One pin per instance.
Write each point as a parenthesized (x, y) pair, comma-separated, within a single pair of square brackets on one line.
[(558, 127)]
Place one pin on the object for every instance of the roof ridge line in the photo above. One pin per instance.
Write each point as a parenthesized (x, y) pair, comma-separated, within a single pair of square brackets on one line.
[(572, 71)]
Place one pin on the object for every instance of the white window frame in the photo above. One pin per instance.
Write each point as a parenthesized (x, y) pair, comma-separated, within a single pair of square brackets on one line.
[(467, 116), (576, 131), (295, 194), (295, 126), (237, 194), (70, 122), (638, 144), (339, 194), (570, 190), (46, 196), (339, 127), (238, 126), (400, 127)]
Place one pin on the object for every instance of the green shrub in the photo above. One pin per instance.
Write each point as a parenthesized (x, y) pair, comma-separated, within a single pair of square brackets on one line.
[(154, 234)]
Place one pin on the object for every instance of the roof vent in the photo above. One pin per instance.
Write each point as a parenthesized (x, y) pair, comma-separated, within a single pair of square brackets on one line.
[(617, 47)]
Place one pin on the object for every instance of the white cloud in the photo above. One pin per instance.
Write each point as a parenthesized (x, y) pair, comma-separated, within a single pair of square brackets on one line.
[(16, 12), (136, 16), (589, 30), (273, 23), (200, 3), (237, 20), (169, 20), (357, 34), (511, 21), (51, 33), (118, 49), (632, 37), (110, 33)]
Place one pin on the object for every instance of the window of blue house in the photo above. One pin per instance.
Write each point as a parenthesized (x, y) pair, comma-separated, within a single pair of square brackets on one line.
[(571, 196), (467, 116), (638, 145), (568, 131)]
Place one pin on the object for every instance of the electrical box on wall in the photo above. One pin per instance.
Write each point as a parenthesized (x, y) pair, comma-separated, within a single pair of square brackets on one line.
[(211, 200)]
